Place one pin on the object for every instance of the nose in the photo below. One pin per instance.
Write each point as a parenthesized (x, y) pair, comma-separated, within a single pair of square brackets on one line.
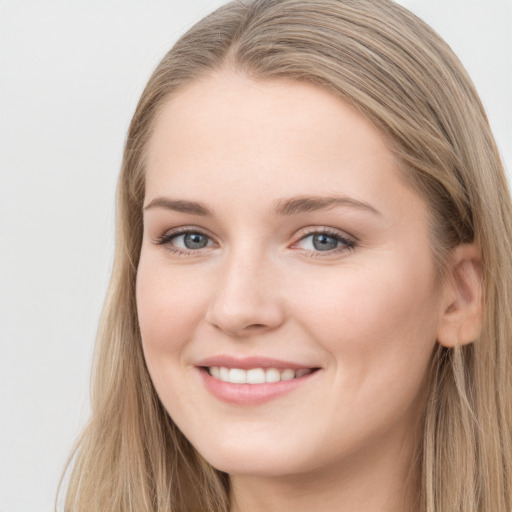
[(247, 298)]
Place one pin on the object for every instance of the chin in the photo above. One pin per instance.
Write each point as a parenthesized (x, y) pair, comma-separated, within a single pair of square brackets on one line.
[(250, 457), (262, 466)]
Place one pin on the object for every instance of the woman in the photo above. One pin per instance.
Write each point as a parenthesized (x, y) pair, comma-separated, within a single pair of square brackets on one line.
[(309, 302)]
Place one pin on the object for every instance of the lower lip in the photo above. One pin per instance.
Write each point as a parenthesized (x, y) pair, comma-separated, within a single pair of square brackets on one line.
[(251, 394)]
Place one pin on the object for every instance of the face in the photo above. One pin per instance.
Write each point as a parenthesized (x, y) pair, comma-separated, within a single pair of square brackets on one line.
[(286, 291)]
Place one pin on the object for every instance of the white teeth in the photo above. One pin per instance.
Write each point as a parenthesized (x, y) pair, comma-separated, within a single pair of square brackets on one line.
[(256, 375), (237, 376), (272, 375), (224, 374), (287, 374)]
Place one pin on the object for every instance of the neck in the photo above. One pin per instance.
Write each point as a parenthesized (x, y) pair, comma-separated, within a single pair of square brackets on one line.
[(384, 477)]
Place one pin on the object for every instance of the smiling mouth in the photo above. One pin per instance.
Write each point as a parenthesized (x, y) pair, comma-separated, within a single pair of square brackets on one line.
[(257, 375)]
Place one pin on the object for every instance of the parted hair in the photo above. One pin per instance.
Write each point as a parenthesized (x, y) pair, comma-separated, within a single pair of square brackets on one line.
[(397, 72)]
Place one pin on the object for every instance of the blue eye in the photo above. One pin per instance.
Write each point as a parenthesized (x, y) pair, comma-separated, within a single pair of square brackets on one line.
[(326, 242), (320, 242), (193, 240), (185, 241)]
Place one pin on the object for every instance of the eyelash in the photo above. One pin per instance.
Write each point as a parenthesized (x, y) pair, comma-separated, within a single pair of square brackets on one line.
[(168, 237), (347, 243)]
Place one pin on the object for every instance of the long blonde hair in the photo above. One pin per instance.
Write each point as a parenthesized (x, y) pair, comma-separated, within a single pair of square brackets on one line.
[(405, 79)]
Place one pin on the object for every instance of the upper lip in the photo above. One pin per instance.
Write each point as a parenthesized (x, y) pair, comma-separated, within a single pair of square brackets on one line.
[(246, 363)]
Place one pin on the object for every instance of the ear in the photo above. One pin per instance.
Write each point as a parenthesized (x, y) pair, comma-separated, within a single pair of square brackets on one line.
[(462, 312)]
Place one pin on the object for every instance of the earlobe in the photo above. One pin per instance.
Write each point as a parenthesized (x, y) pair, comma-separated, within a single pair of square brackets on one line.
[(462, 312)]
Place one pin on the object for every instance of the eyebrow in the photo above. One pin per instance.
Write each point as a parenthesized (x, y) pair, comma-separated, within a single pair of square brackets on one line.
[(180, 205), (291, 206), (302, 204)]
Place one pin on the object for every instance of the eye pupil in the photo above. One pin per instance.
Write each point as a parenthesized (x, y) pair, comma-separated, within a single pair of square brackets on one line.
[(324, 242), (195, 241)]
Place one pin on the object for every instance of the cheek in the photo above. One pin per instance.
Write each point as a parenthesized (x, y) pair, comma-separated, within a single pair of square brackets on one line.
[(376, 321), (378, 328), (170, 306), (360, 300)]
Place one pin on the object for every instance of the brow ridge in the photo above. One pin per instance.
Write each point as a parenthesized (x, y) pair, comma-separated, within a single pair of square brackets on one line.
[(180, 205), (302, 204), (284, 207)]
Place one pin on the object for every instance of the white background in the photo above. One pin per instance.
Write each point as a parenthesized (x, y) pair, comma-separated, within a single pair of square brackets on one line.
[(71, 73)]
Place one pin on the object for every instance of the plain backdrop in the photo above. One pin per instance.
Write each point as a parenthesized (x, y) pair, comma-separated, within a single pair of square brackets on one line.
[(71, 73)]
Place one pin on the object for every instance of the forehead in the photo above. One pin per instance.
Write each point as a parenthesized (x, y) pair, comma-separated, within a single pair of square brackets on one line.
[(231, 107), (265, 140)]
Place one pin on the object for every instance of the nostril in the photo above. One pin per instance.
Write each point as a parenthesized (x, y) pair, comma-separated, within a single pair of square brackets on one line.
[(238, 316)]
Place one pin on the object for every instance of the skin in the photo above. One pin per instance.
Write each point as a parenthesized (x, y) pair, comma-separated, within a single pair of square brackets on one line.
[(368, 316)]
